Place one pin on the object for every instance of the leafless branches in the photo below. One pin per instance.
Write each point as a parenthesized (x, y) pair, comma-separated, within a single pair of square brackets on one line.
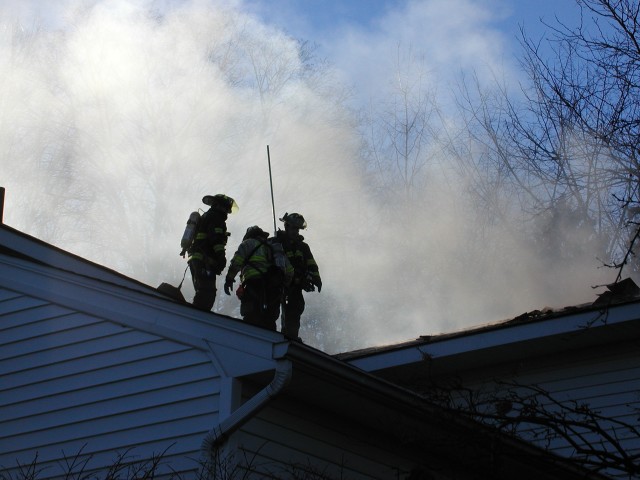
[(596, 441)]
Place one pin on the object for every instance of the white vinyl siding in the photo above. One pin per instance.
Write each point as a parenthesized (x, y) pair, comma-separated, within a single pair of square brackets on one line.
[(607, 380), (71, 382), (302, 438)]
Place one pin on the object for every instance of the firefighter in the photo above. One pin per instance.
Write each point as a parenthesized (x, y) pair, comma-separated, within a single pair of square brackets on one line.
[(305, 276), (207, 253), (262, 275)]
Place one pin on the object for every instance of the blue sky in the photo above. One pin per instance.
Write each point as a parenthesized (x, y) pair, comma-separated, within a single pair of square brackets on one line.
[(362, 37), (325, 15), (317, 20)]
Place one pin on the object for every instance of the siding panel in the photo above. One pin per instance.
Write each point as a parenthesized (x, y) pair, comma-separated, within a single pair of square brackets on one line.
[(606, 379), (85, 423), (88, 356), (31, 315), (91, 395), (85, 373), (18, 303), (8, 295), (300, 436), (52, 340), (43, 328), (72, 382)]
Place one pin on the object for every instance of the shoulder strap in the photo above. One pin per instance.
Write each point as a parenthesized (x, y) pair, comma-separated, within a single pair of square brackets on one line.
[(260, 243), (248, 257)]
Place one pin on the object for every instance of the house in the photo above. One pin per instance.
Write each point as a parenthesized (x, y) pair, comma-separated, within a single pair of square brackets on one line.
[(98, 370), (578, 364)]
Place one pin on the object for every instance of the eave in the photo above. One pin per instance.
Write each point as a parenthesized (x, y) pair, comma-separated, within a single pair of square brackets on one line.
[(505, 342)]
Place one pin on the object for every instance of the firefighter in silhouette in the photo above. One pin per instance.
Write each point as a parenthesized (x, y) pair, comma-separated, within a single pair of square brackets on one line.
[(265, 270), (207, 252), (305, 276)]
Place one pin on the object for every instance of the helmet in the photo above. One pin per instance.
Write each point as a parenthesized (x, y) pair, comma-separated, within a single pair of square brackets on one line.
[(221, 202), (295, 220), (255, 232)]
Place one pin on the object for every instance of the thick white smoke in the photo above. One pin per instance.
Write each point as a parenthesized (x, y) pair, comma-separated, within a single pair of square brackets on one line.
[(118, 116)]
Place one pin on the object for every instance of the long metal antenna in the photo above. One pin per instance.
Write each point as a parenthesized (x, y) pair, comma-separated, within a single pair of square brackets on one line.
[(283, 301), (2, 204), (273, 204)]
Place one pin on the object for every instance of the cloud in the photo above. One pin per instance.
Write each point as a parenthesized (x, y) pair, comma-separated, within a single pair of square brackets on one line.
[(447, 37)]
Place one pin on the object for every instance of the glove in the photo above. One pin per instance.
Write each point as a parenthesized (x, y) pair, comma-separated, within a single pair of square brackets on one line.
[(318, 283), (228, 286), (307, 284)]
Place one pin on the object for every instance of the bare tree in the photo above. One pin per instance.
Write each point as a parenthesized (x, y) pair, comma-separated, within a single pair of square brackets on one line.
[(584, 106), (594, 440), (552, 173), (401, 132), (247, 465)]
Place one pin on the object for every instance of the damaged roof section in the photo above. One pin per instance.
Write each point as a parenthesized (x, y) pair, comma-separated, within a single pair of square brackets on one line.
[(619, 293), (622, 291)]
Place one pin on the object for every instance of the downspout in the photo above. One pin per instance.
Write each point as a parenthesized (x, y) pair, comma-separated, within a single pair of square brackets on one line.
[(221, 432)]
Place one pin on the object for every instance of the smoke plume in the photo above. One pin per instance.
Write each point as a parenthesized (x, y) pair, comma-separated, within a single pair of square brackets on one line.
[(119, 116)]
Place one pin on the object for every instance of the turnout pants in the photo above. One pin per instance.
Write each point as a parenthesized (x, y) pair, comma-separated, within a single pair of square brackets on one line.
[(293, 308), (260, 304)]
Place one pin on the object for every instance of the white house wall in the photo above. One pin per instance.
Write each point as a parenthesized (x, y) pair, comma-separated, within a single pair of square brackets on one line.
[(71, 383), (301, 438), (607, 380)]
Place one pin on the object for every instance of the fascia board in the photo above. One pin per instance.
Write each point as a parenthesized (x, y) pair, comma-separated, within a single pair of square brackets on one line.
[(240, 349), (508, 335), (339, 373)]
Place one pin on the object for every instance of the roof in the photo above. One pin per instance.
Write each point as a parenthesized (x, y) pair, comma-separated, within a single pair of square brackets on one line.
[(539, 332), (319, 379), (21, 245)]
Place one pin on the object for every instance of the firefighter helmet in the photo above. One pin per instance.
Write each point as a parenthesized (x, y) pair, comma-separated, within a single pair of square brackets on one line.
[(255, 232), (221, 202), (295, 220)]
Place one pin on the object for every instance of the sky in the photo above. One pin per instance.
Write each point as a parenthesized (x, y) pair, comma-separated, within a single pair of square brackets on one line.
[(320, 20), (117, 116), (344, 29)]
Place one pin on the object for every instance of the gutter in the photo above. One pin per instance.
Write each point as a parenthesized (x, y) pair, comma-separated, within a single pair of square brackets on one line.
[(513, 452), (221, 432)]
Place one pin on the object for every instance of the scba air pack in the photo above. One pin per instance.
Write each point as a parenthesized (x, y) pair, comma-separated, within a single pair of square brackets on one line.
[(189, 232)]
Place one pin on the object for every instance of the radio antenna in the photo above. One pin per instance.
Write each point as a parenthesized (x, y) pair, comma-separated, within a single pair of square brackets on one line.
[(273, 205)]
